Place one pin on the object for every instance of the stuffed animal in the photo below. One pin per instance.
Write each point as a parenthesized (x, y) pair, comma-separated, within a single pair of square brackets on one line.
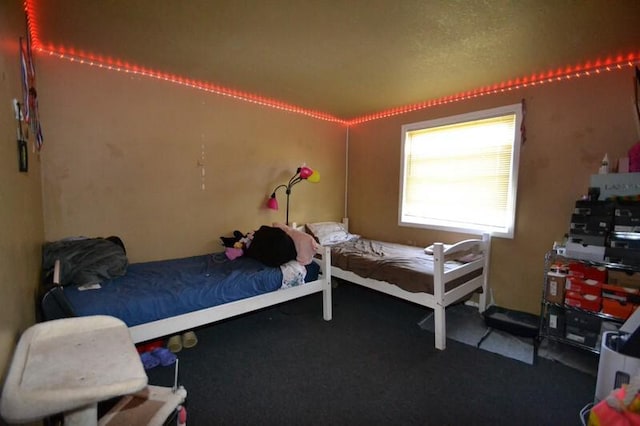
[(231, 241), (236, 245)]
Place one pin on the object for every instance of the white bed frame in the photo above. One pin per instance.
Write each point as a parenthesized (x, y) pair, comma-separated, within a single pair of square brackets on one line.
[(191, 320), (440, 299)]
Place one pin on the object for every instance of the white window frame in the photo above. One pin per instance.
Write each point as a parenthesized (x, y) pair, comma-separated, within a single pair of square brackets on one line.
[(504, 230)]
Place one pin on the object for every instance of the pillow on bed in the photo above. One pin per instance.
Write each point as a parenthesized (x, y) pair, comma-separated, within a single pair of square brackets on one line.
[(306, 246), (328, 233), (463, 257)]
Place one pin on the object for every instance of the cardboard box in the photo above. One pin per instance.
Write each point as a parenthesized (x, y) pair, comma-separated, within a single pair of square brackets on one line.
[(591, 223), (624, 278), (626, 220), (598, 273), (594, 208), (583, 286), (622, 256), (585, 252), (583, 320), (629, 209), (588, 272), (588, 302), (628, 240), (617, 309), (627, 224), (588, 240), (584, 337), (616, 184), (554, 291), (622, 294)]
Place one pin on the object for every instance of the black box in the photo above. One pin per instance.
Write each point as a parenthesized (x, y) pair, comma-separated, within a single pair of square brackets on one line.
[(584, 337), (627, 209), (583, 321), (594, 208), (555, 321), (628, 240), (588, 240), (591, 223), (626, 224), (623, 256)]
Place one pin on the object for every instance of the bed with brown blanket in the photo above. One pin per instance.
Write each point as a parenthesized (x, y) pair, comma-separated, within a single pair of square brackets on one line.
[(434, 277)]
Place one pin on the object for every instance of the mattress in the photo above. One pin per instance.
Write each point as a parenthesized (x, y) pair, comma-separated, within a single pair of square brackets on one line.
[(408, 267), (151, 291)]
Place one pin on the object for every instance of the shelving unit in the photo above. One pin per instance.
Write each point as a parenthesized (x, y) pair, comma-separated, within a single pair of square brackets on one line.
[(548, 308)]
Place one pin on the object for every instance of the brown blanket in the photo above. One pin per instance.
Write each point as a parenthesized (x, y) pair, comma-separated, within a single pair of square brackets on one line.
[(405, 266)]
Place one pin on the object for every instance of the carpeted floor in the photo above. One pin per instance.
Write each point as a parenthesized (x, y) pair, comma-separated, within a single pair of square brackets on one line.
[(371, 365)]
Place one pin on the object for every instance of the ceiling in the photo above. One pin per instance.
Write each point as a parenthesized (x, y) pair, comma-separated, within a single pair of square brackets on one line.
[(347, 58)]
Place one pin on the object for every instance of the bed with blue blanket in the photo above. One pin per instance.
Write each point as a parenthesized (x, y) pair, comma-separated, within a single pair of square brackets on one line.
[(160, 298)]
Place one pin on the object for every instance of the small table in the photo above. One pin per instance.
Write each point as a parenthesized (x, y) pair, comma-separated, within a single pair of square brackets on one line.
[(68, 366)]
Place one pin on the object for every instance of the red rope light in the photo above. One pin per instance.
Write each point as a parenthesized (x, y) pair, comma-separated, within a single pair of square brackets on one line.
[(560, 74), (567, 73)]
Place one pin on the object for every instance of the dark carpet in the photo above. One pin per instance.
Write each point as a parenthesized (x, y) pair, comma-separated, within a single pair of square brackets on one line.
[(371, 365)]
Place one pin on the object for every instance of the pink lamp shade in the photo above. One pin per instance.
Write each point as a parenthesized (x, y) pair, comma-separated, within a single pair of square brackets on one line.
[(305, 172), (272, 203), (302, 173)]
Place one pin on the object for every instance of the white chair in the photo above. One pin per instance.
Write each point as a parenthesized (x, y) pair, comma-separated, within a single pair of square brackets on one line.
[(68, 366)]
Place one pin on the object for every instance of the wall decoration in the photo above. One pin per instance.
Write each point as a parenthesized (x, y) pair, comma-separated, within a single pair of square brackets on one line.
[(23, 155), (29, 92)]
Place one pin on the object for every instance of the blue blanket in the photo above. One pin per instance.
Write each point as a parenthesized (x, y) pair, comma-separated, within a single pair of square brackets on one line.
[(155, 290)]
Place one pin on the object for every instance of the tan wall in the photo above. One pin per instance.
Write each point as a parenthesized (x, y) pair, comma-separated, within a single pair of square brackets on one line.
[(123, 155), (570, 125), (20, 202)]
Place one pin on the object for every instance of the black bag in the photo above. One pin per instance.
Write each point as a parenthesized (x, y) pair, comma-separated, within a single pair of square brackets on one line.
[(271, 246)]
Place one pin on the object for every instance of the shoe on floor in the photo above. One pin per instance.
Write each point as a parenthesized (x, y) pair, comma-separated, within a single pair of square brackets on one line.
[(149, 361), (164, 356), (189, 339), (175, 344)]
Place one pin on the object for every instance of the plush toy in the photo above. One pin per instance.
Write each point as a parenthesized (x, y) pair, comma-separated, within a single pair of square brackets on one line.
[(231, 241), (236, 245)]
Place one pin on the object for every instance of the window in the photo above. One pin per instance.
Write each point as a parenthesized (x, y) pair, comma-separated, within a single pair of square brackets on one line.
[(460, 173)]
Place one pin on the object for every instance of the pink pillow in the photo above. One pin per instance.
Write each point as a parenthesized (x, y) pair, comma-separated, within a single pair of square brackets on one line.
[(306, 245)]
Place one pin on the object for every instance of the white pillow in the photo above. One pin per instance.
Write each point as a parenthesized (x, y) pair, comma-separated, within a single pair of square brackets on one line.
[(328, 233)]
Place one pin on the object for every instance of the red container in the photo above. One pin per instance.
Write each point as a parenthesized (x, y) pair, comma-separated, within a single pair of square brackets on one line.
[(623, 294), (584, 286), (583, 301), (617, 308)]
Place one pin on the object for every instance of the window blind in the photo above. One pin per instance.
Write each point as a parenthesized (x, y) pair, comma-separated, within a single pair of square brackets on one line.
[(460, 174)]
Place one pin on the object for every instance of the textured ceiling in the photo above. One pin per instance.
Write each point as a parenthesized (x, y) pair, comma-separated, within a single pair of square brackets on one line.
[(346, 58)]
